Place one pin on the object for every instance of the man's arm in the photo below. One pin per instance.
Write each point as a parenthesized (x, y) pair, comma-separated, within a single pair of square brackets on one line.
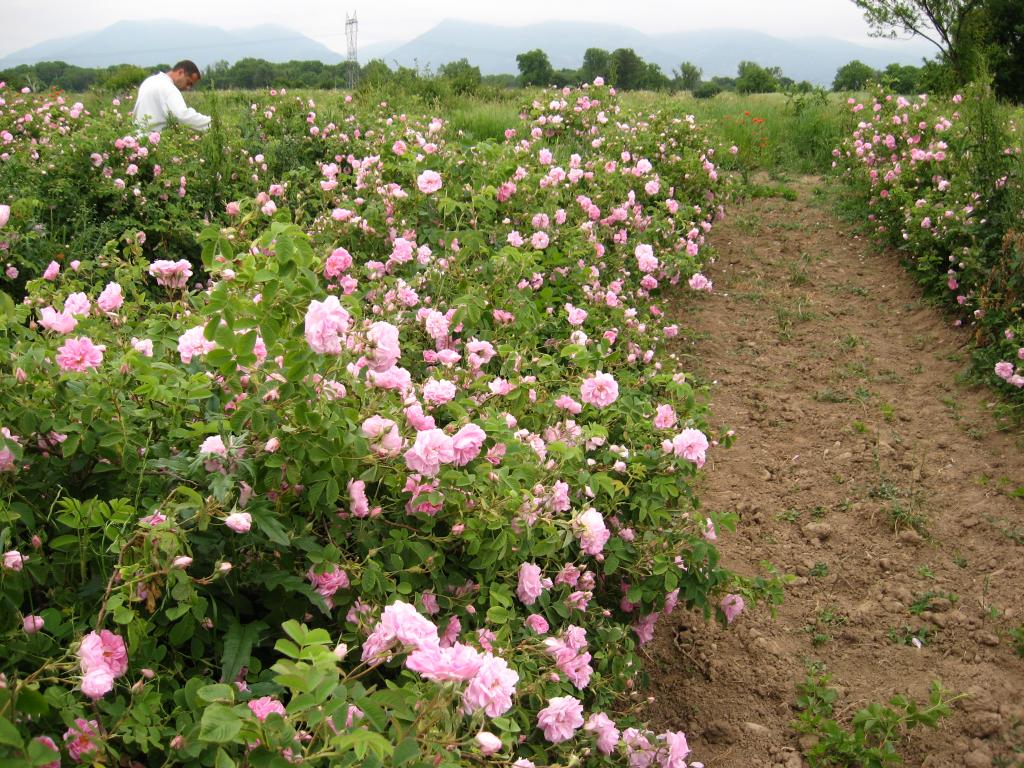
[(183, 113)]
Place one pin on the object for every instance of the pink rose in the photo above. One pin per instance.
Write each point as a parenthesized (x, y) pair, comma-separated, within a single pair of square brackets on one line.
[(665, 418), (531, 584), (52, 270), (488, 743), (32, 624), (265, 706), (383, 435), (5, 215), (429, 182), (431, 449), (592, 531), (79, 354), (438, 391), (337, 263), (111, 299), (171, 274), (58, 322), (457, 663), (466, 444), (537, 623), (143, 346), (560, 718), (491, 688), (239, 522), (77, 304), (692, 445), (193, 343), (213, 446), (103, 650), (82, 739), (327, 322), (600, 390), (1004, 370), (97, 683), (607, 734), (700, 283), (732, 606)]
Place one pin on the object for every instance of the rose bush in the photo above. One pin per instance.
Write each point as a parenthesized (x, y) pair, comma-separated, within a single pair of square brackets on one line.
[(943, 181), (383, 477)]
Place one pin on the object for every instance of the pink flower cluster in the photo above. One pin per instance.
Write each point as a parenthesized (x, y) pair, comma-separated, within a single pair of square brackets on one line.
[(103, 658), (690, 444), (171, 274), (571, 655), (490, 682)]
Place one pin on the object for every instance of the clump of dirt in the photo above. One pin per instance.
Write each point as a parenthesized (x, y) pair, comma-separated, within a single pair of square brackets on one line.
[(867, 472)]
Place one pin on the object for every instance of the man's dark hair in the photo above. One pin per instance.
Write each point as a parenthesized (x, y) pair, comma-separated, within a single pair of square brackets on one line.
[(188, 66)]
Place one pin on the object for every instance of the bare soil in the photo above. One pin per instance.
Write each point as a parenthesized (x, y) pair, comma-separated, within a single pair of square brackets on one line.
[(866, 471)]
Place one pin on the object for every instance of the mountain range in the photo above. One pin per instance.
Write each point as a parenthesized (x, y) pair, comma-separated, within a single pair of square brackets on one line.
[(151, 42), (490, 47)]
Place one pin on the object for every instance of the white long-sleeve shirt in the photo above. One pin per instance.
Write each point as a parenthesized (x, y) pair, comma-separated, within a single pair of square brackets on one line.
[(159, 99)]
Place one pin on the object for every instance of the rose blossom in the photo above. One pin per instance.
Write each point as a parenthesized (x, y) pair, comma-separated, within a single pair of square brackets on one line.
[(466, 444), (700, 283), (531, 584), (691, 444), (600, 390), (428, 182), (171, 274), (383, 435), (732, 606), (103, 650), (239, 522), (14, 560), (327, 322), (665, 418), (431, 449), (592, 531), (97, 683), (111, 299), (58, 322), (83, 738), (32, 624), (491, 688), (213, 446), (607, 733), (457, 663), (488, 743), (79, 354), (265, 706), (560, 718), (537, 623)]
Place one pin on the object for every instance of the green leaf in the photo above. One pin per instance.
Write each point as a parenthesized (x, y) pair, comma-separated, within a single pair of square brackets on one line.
[(271, 527), (238, 643), (216, 692), (9, 734), (406, 751), (220, 724)]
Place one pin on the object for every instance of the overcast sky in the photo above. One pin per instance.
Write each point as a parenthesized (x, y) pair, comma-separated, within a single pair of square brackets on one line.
[(27, 22)]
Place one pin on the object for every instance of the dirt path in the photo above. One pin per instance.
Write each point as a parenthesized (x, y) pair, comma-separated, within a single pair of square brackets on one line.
[(862, 468)]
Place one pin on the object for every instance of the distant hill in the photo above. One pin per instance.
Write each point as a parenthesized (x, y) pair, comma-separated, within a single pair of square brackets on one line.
[(152, 42), (492, 48), (717, 52)]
